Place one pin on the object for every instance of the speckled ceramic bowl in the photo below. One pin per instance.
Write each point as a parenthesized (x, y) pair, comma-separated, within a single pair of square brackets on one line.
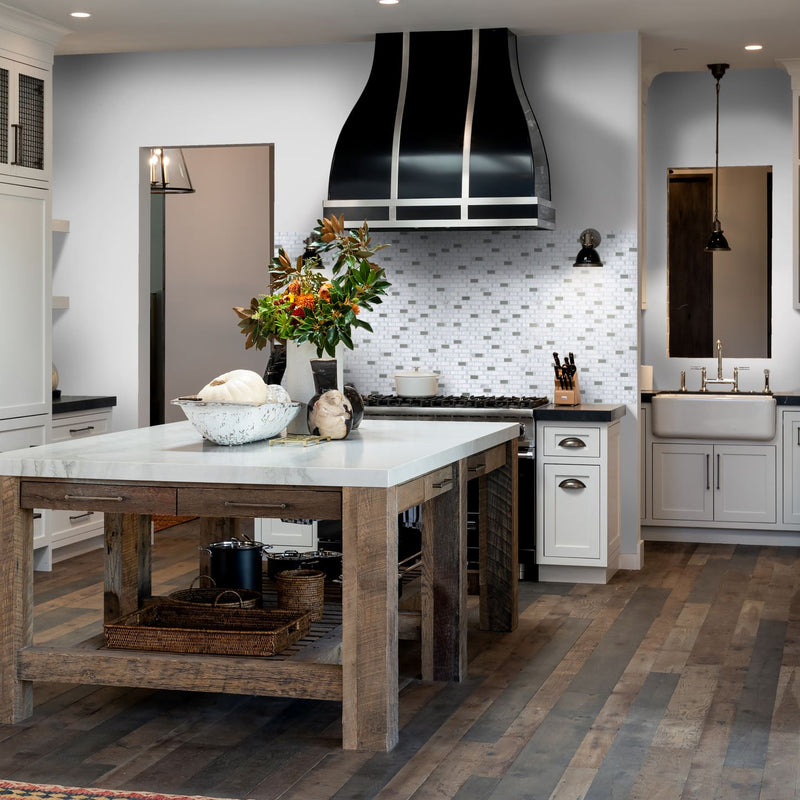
[(231, 423)]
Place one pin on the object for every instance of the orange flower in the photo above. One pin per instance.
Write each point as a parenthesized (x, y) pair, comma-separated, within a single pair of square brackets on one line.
[(355, 308), (293, 287), (325, 292), (304, 301)]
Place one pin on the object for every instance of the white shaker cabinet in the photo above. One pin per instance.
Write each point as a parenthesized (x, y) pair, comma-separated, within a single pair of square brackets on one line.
[(287, 534), (578, 501), (16, 434), (73, 532), (791, 467), (26, 57), (714, 482), (25, 248)]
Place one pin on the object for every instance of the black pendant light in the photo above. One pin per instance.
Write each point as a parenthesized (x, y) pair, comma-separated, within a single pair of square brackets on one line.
[(717, 241)]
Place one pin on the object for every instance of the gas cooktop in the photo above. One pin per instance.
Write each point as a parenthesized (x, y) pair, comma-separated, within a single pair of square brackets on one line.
[(453, 401)]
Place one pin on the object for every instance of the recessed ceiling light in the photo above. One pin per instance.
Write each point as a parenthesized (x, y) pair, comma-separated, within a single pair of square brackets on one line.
[(80, 14), (680, 50), (754, 47), (388, 2)]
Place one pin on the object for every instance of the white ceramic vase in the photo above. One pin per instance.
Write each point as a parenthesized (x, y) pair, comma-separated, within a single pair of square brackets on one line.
[(298, 379)]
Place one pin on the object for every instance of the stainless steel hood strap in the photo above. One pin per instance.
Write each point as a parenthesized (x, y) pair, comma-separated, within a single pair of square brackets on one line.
[(398, 124), (473, 88)]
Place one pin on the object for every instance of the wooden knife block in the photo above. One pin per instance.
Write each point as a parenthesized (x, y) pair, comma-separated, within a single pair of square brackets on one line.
[(567, 397)]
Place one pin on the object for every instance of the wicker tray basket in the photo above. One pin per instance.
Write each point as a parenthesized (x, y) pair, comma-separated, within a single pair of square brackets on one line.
[(217, 597), (175, 628)]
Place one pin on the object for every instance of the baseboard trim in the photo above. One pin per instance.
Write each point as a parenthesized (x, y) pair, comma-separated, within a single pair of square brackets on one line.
[(657, 533)]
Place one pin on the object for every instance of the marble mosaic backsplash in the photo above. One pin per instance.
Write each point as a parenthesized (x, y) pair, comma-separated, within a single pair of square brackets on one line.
[(486, 310)]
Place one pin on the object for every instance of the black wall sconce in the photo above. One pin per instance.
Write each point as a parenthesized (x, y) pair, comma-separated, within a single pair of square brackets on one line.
[(588, 256)]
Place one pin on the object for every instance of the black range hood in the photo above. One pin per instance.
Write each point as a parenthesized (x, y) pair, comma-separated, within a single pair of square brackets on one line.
[(443, 136)]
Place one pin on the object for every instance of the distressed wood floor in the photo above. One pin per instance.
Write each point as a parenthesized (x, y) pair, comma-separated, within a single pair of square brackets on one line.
[(678, 681)]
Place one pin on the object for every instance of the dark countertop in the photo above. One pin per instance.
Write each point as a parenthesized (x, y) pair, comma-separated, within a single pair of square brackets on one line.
[(78, 402), (781, 398), (585, 412)]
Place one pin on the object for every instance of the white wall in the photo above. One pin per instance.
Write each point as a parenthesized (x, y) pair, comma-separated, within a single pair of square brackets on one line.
[(584, 91), (107, 107), (755, 129)]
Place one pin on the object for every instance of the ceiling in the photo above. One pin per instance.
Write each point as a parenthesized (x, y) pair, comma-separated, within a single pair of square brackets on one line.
[(676, 34)]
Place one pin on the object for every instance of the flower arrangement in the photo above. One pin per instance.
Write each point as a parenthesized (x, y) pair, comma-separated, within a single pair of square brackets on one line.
[(306, 305)]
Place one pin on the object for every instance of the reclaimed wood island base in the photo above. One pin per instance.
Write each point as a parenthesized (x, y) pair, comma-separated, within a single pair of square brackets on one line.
[(382, 469)]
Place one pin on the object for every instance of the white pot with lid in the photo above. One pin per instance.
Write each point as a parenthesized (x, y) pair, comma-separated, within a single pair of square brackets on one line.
[(416, 383)]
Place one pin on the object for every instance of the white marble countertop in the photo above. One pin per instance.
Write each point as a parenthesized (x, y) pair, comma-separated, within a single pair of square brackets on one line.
[(378, 454)]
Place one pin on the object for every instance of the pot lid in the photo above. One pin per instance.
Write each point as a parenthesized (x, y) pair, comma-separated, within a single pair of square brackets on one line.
[(236, 544), (416, 373)]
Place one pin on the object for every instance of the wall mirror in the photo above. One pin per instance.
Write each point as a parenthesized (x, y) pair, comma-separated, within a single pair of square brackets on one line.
[(726, 295), (209, 252)]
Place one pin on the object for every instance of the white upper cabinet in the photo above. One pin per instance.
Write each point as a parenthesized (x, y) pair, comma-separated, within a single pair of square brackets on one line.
[(25, 121), (25, 360)]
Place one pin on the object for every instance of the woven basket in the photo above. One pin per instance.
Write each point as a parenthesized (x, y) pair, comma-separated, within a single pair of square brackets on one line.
[(301, 590), (175, 628), (220, 598)]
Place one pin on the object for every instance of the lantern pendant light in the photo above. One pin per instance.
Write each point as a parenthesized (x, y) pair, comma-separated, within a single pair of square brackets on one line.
[(717, 242), (168, 172)]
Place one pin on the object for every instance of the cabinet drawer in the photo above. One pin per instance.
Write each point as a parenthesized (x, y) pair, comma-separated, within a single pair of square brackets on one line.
[(99, 497), (486, 462), (79, 427), (17, 438), (272, 502), (70, 525), (570, 442)]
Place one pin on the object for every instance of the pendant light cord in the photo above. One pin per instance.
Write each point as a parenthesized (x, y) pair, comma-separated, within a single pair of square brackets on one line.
[(716, 161)]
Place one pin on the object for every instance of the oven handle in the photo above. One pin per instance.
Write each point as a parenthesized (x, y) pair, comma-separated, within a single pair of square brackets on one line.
[(527, 453)]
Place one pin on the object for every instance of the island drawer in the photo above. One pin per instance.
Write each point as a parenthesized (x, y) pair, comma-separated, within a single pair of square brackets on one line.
[(98, 497), (275, 502)]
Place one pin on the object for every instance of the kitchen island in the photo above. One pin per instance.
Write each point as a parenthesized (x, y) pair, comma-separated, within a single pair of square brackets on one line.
[(365, 480)]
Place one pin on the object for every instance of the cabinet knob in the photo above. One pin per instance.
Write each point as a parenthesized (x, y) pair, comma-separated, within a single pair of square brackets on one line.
[(572, 441), (571, 483)]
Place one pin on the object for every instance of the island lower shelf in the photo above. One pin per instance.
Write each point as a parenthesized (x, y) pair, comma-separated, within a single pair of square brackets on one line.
[(310, 668)]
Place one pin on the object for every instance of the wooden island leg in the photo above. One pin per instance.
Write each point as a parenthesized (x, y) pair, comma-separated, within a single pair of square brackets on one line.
[(127, 564), (444, 582), (369, 619), (16, 600), (499, 557)]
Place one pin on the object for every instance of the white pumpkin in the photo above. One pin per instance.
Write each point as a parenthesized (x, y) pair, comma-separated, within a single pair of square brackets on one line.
[(241, 386)]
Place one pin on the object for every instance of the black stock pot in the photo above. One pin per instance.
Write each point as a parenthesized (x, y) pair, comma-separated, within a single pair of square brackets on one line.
[(233, 564)]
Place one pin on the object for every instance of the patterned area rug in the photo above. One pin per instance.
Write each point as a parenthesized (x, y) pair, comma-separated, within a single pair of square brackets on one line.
[(37, 791)]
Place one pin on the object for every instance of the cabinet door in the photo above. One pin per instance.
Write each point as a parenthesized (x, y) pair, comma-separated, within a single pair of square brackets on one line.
[(682, 476), (284, 534), (572, 524), (791, 468), (25, 116), (26, 386), (744, 483)]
